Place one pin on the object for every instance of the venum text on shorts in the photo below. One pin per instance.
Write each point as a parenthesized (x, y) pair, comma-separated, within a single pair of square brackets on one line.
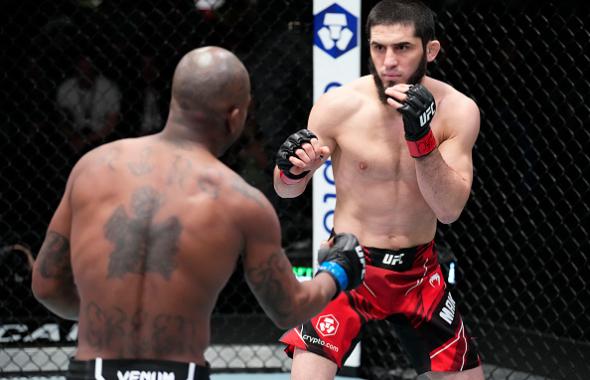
[(145, 375)]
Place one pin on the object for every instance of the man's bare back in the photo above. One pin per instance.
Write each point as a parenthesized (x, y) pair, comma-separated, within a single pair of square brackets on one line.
[(149, 230), (151, 208)]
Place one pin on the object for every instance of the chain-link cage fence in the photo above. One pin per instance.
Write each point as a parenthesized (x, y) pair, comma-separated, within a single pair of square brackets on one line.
[(130, 49), (520, 246)]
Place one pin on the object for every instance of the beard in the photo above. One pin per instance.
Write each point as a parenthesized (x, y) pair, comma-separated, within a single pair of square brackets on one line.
[(415, 78)]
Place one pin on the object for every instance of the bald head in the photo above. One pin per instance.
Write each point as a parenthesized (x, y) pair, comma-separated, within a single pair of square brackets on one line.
[(210, 98), (210, 79)]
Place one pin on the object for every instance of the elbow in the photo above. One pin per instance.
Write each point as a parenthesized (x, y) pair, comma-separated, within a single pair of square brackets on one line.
[(43, 296), (279, 191), (449, 211), (61, 299), (283, 324), (448, 216), (284, 321), (41, 291), (284, 193)]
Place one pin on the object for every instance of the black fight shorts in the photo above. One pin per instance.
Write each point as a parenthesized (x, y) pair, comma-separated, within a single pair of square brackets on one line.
[(131, 369)]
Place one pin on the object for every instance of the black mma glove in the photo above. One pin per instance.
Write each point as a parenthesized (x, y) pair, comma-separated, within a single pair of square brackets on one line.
[(344, 261), (417, 112), (288, 148)]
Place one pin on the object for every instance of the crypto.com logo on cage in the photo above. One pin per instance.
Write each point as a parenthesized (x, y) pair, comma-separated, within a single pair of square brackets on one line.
[(335, 30)]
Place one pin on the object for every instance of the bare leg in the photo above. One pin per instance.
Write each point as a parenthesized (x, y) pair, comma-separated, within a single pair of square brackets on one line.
[(470, 374), (309, 366)]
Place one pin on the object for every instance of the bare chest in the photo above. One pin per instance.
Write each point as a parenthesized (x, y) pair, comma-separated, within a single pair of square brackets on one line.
[(374, 148)]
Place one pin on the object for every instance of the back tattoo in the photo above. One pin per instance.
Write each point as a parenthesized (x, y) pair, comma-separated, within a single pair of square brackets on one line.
[(142, 246)]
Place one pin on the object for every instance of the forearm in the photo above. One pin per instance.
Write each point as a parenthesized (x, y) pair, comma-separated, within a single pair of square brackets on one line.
[(289, 190), (443, 188), (311, 297), (289, 303), (342, 267)]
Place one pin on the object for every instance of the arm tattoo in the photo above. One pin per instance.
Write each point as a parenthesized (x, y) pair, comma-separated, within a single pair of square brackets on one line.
[(141, 245), (55, 257), (267, 283)]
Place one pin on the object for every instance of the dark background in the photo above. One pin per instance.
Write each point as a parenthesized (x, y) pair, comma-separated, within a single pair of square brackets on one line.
[(521, 243)]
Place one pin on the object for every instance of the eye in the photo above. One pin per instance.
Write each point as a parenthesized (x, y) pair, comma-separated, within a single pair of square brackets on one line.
[(378, 47)]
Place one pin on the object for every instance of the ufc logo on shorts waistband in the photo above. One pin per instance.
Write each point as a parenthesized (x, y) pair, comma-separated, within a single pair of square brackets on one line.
[(391, 259)]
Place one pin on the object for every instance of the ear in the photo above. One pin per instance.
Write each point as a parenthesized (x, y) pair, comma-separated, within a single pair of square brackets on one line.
[(233, 120), (432, 49)]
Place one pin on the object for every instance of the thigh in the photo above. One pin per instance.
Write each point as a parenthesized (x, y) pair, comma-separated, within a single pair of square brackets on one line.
[(435, 337), (307, 365)]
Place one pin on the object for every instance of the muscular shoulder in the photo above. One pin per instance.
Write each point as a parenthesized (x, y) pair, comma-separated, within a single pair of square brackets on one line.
[(106, 150), (105, 158), (250, 207), (245, 196), (456, 112), (340, 104)]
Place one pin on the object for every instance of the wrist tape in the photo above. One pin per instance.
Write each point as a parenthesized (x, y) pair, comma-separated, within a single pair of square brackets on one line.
[(289, 179), (337, 272), (423, 146)]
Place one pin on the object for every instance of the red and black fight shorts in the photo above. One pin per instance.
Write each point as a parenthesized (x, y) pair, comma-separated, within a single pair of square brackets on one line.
[(134, 369), (405, 287)]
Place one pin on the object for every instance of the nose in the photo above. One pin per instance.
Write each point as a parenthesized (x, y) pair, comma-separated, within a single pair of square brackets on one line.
[(390, 58)]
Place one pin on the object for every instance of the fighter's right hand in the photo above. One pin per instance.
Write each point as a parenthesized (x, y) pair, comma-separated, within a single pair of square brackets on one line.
[(344, 260), (300, 153)]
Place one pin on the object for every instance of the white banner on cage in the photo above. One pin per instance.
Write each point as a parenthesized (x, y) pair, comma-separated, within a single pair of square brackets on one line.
[(336, 61)]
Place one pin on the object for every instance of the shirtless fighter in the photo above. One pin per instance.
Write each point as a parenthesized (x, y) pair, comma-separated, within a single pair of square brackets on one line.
[(149, 231), (400, 143)]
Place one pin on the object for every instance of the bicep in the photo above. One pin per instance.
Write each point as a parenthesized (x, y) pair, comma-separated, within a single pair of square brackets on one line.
[(322, 122), (457, 149)]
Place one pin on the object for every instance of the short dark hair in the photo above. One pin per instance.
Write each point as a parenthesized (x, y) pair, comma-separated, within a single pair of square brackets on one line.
[(389, 12)]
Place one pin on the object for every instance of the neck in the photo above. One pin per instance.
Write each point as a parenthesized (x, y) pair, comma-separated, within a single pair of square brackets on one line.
[(190, 133)]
